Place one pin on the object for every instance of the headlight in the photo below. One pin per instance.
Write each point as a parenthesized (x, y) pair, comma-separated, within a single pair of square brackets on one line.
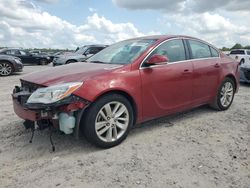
[(53, 93)]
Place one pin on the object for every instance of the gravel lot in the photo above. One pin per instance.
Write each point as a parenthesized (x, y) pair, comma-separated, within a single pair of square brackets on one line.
[(198, 148)]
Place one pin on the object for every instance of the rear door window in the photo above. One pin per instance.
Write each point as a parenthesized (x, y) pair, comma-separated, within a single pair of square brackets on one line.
[(199, 50), (248, 52)]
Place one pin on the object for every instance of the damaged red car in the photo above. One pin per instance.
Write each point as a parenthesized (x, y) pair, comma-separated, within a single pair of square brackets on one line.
[(125, 84)]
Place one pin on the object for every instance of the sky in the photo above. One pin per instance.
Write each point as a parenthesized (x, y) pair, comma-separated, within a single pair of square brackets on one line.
[(72, 23)]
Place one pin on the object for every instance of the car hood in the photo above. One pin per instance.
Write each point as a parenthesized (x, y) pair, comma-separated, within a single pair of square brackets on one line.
[(76, 72)]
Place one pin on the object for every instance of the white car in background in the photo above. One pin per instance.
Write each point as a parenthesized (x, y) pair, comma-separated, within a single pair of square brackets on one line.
[(241, 55)]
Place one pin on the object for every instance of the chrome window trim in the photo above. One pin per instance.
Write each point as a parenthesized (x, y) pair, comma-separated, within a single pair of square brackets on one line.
[(183, 61)]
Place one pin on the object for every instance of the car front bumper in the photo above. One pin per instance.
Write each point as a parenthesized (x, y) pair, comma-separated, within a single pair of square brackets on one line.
[(18, 67), (58, 61), (51, 112)]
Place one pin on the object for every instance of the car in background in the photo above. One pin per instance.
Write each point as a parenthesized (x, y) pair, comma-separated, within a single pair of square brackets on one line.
[(80, 55), (26, 57), (129, 82), (9, 65), (241, 55)]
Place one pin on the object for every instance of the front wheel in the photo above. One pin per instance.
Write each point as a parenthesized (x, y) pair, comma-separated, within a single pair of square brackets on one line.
[(108, 120), (225, 95), (6, 69), (43, 62)]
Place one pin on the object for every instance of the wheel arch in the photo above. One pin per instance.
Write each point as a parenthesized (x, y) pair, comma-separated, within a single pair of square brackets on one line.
[(232, 77), (71, 60)]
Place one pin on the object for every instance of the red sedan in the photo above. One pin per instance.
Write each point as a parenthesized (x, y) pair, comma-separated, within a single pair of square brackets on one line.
[(127, 83)]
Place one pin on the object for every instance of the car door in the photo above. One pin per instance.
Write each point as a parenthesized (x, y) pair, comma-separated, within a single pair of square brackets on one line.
[(206, 73), (27, 57), (167, 88)]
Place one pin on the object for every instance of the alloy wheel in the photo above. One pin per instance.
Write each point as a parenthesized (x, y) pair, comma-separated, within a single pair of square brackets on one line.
[(5, 69), (226, 94), (112, 121)]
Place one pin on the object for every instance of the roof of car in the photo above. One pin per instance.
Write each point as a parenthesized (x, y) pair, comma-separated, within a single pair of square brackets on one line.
[(164, 37), (95, 45), (238, 49)]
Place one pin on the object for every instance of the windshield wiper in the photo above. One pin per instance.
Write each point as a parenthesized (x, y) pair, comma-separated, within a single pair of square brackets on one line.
[(98, 62)]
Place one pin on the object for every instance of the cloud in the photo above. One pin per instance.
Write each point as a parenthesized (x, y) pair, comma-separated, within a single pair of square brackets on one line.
[(47, 1), (185, 5), (28, 26), (167, 5), (221, 22)]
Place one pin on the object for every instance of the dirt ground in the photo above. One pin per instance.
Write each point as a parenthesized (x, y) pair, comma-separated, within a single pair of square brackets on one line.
[(198, 148)]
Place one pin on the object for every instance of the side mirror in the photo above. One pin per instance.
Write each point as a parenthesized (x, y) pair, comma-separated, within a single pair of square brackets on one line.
[(157, 60)]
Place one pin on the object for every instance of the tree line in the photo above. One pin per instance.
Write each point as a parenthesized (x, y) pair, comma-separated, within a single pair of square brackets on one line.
[(236, 46)]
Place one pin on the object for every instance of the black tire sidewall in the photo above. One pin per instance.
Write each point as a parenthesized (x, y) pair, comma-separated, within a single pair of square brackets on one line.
[(221, 107), (43, 62), (88, 120)]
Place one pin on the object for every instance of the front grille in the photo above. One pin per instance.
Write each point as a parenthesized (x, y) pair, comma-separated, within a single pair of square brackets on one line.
[(247, 74)]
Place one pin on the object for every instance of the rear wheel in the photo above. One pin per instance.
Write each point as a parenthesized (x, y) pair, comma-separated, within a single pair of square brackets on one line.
[(6, 69), (70, 61), (242, 61), (225, 95), (108, 120), (43, 62)]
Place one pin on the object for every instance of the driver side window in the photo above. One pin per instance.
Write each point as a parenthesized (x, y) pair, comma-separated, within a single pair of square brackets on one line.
[(173, 49)]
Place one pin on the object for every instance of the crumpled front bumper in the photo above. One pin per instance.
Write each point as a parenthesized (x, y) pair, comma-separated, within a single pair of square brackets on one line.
[(35, 112)]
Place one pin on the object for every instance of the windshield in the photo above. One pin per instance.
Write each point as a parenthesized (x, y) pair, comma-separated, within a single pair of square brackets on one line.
[(81, 50), (122, 52)]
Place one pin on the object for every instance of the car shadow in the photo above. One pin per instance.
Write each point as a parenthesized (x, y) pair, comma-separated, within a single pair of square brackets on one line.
[(243, 84), (169, 121)]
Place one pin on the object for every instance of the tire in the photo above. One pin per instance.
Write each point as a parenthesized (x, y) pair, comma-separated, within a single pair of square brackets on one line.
[(70, 61), (102, 128), (43, 62), (225, 95), (242, 61), (6, 69)]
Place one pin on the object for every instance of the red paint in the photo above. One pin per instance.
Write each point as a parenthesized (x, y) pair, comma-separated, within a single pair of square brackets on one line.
[(24, 113), (156, 91)]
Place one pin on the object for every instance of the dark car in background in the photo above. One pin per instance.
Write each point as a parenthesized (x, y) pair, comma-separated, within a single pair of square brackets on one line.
[(26, 57), (9, 65), (81, 54)]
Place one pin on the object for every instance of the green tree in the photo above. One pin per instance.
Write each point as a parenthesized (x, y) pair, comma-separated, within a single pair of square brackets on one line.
[(237, 46), (225, 49)]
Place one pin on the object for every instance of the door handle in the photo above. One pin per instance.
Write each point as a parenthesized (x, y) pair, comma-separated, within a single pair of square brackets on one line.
[(217, 65), (186, 71)]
